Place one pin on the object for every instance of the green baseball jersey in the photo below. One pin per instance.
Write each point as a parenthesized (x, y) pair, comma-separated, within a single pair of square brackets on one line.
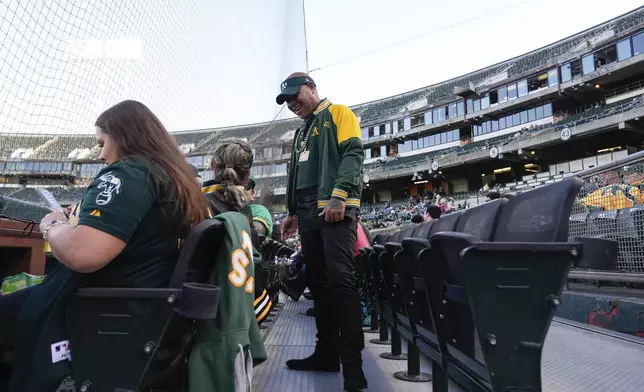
[(217, 360), (126, 201), (261, 215)]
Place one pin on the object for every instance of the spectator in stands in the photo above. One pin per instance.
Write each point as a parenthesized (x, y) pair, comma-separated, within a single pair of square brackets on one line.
[(212, 363), (262, 221), (432, 212), (128, 228), (323, 198), (416, 219)]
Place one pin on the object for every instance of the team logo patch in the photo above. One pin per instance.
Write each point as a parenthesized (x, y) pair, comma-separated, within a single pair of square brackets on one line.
[(110, 186), (284, 85)]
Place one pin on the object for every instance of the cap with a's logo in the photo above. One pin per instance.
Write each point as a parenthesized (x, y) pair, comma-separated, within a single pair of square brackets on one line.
[(291, 87)]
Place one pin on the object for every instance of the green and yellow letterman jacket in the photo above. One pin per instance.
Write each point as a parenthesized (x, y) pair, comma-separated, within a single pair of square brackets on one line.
[(262, 303), (328, 155), (226, 348)]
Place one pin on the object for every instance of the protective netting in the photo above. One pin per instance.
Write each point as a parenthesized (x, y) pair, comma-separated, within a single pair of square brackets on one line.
[(197, 64), (611, 205)]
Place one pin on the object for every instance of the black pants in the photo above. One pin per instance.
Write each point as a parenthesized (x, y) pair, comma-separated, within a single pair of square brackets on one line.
[(328, 252)]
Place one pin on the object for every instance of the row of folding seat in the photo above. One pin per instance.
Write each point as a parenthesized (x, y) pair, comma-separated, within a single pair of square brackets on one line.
[(274, 272), (475, 291)]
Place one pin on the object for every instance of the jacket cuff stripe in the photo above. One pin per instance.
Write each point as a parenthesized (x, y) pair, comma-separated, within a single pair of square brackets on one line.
[(340, 194), (353, 203)]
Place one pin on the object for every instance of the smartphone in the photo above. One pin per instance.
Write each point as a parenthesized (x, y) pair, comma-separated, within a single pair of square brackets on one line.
[(49, 199)]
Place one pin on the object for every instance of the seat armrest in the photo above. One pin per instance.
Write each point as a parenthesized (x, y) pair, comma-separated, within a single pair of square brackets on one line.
[(196, 301), (124, 292), (597, 253), (574, 248)]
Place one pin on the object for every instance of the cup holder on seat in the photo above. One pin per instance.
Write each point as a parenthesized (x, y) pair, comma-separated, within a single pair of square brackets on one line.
[(199, 301)]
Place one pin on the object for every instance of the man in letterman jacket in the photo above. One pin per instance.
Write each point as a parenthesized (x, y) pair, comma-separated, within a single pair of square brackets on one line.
[(323, 198)]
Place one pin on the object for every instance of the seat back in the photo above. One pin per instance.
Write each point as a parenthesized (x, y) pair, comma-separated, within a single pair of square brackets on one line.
[(446, 222), (406, 233), (446, 277), (480, 221), (423, 230), (539, 215), (381, 238), (198, 253), (394, 236)]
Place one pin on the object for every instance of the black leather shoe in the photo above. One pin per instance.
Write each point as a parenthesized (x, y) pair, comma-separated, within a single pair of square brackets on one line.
[(315, 363), (354, 379)]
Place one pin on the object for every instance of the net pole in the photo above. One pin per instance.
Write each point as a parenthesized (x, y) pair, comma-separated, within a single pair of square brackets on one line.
[(306, 44)]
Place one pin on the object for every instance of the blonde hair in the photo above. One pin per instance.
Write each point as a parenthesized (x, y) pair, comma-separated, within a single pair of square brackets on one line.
[(230, 164)]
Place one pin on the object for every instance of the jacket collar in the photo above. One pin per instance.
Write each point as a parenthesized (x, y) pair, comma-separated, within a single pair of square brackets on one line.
[(324, 103), (213, 186)]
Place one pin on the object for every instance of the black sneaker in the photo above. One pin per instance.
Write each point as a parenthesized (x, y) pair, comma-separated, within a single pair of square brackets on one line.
[(310, 312), (354, 379), (315, 363)]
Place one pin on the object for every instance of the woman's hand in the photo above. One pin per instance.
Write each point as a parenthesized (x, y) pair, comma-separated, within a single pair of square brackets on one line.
[(52, 216)]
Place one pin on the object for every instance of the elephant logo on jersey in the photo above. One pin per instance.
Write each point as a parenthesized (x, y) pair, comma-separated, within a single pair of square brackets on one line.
[(110, 185)]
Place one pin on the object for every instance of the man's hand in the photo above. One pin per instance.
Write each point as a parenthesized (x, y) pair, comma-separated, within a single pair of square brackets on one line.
[(289, 226), (52, 216), (334, 211)]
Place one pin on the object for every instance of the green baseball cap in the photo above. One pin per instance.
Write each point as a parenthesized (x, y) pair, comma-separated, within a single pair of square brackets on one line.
[(291, 87)]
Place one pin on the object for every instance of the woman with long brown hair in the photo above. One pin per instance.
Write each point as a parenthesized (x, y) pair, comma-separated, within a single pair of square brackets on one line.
[(126, 235)]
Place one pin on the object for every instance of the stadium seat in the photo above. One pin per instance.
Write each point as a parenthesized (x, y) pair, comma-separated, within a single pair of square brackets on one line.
[(471, 277), (143, 335), (514, 279)]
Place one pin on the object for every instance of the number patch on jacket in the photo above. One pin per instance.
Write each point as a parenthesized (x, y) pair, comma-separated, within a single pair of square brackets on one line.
[(241, 258)]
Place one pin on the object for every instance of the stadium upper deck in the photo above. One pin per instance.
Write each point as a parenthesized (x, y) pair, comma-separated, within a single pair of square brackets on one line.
[(567, 59)]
